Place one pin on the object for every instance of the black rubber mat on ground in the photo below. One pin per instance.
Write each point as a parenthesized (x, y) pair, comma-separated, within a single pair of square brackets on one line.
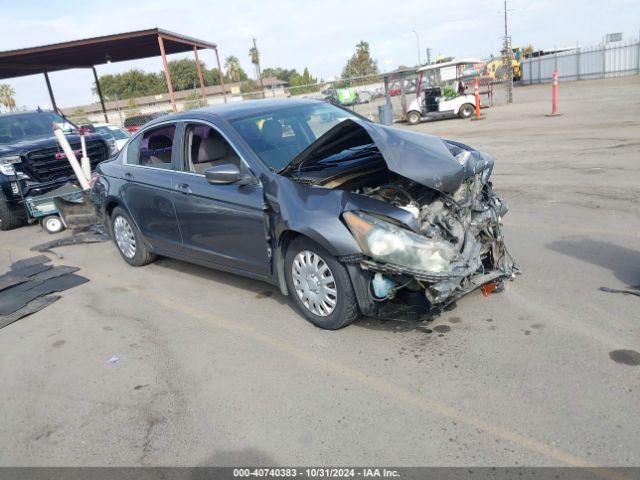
[(29, 262), (16, 297), (26, 287), (33, 306), (21, 270)]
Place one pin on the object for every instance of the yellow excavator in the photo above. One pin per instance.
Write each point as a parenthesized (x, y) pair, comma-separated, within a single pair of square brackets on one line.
[(495, 68)]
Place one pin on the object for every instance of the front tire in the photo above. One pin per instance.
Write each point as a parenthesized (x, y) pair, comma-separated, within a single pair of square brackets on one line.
[(129, 240), (319, 285), (8, 219), (413, 117), (466, 110)]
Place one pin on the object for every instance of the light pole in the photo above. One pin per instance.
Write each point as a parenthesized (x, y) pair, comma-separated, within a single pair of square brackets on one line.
[(418, 45)]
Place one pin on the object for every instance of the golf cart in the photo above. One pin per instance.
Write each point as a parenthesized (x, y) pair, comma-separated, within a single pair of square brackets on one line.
[(442, 92)]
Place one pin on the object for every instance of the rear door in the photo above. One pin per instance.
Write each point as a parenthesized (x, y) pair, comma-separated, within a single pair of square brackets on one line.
[(151, 162), (220, 224)]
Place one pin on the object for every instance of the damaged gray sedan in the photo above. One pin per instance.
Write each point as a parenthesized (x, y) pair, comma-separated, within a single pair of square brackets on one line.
[(346, 216)]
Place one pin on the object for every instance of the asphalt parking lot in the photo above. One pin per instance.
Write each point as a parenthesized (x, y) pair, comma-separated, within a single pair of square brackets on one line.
[(219, 370)]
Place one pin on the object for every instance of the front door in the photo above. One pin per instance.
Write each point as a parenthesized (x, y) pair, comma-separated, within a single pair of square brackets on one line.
[(147, 191), (220, 224)]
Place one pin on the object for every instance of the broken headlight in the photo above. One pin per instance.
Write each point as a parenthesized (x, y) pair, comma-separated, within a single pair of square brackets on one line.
[(398, 246)]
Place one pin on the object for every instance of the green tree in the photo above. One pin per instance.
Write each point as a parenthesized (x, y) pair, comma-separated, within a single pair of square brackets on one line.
[(7, 97), (360, 63), (254, 55), (304, 83), (235, 73), (249, 86), (283, 74), (184, 74), (211, 77), (131, 84)]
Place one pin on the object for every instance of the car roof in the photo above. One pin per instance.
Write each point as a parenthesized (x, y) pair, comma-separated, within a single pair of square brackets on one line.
[(20, 114), (246, 108)]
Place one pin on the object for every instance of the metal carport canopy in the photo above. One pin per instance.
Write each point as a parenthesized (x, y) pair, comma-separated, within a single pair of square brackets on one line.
[(88, 53)]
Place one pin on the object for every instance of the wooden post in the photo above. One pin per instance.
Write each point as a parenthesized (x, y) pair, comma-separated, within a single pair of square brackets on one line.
[(99, 90), (167, 74), (224, 94), (51, 97), (199, 69)]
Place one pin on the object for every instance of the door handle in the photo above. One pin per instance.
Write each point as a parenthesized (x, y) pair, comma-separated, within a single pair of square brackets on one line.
[(128, 176), (183, 188)]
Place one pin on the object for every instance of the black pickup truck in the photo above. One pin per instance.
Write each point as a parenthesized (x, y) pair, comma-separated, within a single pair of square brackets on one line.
[(32, 162)]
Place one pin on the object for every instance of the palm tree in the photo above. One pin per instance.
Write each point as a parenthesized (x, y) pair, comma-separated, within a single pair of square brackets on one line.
[(7, 97), (254, 55), (232, 65)]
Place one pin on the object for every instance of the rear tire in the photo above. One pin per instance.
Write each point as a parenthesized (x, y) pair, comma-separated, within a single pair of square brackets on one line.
[(466, 110), (317, 281), (413, 118), (129, 240), (8, 219)]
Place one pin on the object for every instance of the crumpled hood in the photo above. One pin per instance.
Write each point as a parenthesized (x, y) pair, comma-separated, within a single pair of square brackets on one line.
[(423, 158)]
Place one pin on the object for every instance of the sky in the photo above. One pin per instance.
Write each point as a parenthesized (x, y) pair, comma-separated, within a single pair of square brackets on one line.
[(320, 35)]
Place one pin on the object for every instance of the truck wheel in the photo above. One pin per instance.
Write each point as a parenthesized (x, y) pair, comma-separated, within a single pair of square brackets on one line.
[(466, 110), (319, 285), (52, 224), (129, 240), (413, 118), (8, 219)]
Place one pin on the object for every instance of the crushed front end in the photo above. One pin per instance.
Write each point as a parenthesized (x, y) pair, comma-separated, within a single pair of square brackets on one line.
[(459, 247), (433, 233)]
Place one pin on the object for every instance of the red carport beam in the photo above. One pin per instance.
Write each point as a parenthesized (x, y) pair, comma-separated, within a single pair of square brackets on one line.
[(99, 90), (51, 97), (167, 74), (221, 75), (199, 69)]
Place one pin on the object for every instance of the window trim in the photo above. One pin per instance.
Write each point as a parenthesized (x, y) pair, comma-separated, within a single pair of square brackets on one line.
[(187, 121), (125, 149)]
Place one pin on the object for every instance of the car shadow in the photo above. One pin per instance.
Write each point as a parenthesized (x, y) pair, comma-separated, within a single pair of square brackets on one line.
[(623, 262), (262, 290), (259, 289)]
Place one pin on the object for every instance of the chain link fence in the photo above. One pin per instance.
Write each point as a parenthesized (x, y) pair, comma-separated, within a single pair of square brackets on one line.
[(363, 95)]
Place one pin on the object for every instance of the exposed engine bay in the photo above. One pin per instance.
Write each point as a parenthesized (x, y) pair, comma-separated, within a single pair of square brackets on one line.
[(458, 245), (469, 222)]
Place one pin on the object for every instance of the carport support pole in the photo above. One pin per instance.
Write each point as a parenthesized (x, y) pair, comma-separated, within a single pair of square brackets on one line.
[(221, 76), (167, 74), (99, 90), (51, 97), (200, 77)]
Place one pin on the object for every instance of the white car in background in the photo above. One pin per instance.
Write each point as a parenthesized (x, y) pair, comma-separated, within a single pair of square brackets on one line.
[(120, 135)]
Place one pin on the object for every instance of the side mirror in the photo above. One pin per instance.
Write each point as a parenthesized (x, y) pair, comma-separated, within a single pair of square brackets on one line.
[(225, 174)]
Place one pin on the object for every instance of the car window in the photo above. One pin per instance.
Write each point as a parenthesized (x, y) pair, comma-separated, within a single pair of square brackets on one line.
[(205, 147), (277, 137), (113, 132), (153, 148), (24, 126)]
